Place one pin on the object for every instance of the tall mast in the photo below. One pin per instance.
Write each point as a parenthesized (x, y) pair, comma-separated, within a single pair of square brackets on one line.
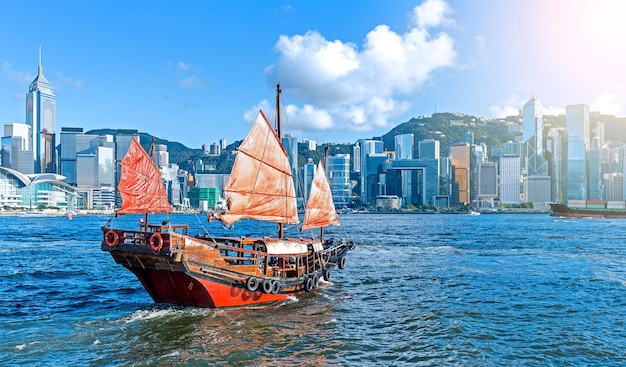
[(281, 226)]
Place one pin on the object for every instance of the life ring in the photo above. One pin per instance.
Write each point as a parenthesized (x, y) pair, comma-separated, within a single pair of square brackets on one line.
[(156, 242), (111, 238), (327, 274), (267, 286), (275, 286), (308, 284), (342, 263), (252, 284)]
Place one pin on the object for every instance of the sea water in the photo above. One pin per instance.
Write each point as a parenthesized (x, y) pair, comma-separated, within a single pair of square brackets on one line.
[(418, 290)]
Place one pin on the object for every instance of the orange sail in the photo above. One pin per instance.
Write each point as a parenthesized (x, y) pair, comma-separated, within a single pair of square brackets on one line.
[(260, 185), (320, 209), (140, 184)]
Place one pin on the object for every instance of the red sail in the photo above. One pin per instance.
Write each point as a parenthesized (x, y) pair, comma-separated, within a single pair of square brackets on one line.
[(320, 209), (260, 185), (141, 187)]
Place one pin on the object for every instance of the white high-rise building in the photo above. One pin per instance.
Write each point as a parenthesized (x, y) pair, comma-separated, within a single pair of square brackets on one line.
[(510, 179), (41, 117)]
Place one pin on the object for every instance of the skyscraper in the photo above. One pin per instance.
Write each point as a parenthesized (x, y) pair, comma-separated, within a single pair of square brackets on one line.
[(460, 160), (41, 116), (578, 142), (428, 149), (510, 179), (533, 137), (338, 172), (404, 146)]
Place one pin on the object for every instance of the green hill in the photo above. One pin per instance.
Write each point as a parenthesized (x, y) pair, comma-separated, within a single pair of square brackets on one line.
[(446, 127)]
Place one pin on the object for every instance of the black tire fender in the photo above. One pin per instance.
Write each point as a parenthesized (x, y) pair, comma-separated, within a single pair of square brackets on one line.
[(267, 286), (327, 274), (252, 284), (308, 284), (275, 286), (342, 263)]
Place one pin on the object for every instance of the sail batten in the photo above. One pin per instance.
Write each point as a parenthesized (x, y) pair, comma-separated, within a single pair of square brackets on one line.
[(141, 186), (320, 208), (260, 185)]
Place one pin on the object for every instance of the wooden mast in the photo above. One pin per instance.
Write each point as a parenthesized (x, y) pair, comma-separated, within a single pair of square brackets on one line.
[(281, 226)]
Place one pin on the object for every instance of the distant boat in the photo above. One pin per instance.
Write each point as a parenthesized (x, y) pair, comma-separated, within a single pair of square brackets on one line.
[(33, 214), (593, 211), (205, 271), (473, 213)]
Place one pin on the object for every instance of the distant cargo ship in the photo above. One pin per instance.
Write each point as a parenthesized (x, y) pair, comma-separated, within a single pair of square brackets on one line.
[(589, 209)]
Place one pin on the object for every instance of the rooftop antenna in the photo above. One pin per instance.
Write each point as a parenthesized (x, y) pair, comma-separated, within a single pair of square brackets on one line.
[(39, 68)]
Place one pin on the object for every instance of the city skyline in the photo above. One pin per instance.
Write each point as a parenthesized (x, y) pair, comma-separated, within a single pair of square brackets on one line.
[(209, 66)]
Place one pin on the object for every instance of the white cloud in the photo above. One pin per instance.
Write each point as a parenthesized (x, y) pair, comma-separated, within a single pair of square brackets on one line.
[(509, 107), (512, 106), (20, 77), (344, 86), (610, 103), (432, 13)]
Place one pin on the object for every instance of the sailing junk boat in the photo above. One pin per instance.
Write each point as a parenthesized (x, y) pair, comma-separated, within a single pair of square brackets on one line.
[(203, 271)]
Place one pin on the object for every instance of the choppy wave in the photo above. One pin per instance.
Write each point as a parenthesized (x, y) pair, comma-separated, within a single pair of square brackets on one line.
[(437, 290)]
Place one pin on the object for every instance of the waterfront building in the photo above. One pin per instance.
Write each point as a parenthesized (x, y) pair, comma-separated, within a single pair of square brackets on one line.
[(428, 149), (404, 145), (73, 141), (338, 173), (554, 150), (41, 116), (18, 190), (96, 168), (595, 175), (537, 165), (460, 160), (614, 186), (416, 181), (578, 141), (487, 181), (445, 177), (16, 149), (510, 179), (371, 156), (356, 154)]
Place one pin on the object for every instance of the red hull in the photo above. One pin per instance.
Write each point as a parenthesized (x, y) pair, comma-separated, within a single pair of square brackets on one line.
[(182, 289), (224, 272)]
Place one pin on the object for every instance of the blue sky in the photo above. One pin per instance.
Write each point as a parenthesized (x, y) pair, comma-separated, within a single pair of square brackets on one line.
[(198, 71)]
